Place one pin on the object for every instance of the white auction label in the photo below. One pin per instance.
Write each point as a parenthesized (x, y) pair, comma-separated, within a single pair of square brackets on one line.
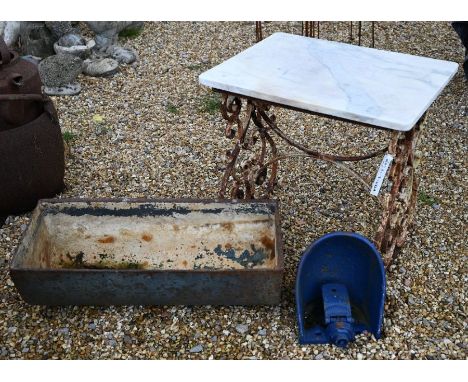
[(384, 165)]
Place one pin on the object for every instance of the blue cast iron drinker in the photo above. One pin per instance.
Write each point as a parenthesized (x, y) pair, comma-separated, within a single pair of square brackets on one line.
[(340, 290)]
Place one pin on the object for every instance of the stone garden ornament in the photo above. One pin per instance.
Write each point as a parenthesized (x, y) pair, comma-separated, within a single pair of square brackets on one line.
[(63, 52)]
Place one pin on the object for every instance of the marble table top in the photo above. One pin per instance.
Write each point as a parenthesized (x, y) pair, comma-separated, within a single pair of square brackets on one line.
[(377, 87)]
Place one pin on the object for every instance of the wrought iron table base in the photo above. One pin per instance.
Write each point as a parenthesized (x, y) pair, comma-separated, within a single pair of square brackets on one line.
[(252, 165)]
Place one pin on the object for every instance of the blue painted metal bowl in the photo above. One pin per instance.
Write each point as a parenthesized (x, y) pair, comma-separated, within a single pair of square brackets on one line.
[(340, 290)]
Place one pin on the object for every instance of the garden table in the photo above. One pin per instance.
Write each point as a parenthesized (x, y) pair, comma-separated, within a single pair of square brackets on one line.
[(370, 87)]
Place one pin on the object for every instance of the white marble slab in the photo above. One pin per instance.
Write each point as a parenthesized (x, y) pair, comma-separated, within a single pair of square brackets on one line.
[(382, 88)]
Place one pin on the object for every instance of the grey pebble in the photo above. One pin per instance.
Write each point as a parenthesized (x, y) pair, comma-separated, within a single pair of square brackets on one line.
[(196, 349), (242, 328), (262, 332), (427, 323), (101, 67), (449, 299), (122, 55)]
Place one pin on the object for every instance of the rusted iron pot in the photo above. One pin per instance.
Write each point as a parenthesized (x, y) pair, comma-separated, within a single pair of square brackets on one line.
[(20, 90), (31, 162)]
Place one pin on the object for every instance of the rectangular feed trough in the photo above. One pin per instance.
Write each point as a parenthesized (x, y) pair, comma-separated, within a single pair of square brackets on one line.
[(150, 252)]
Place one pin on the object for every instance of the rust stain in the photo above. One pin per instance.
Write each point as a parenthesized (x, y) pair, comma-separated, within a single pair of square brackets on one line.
[(45, 257), (107, 239), (228, 226), (268, 243), (147, 237), (184, 263), (175, 227), (228, 245)]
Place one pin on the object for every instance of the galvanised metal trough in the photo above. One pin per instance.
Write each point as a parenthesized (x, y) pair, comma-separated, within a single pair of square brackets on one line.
[(150, 252)]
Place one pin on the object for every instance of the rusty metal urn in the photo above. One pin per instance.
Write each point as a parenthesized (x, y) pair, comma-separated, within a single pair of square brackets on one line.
[(31, 145), (20, 90)]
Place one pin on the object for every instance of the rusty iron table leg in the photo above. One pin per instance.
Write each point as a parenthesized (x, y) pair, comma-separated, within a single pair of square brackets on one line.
[(258, 31), (253, 162), (252, 165), (245, 167), (400, 202)]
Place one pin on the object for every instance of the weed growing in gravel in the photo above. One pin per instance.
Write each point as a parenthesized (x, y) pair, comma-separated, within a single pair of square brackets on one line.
[(130, 32), (427, 199), (211, 104), (195, 66), (172, 109), (68, 136)]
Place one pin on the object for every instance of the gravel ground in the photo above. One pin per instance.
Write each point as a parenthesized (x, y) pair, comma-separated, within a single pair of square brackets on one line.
[(143, 133)]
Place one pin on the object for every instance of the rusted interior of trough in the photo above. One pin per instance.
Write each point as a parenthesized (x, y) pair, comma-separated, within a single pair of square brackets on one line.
[(151, 236)]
